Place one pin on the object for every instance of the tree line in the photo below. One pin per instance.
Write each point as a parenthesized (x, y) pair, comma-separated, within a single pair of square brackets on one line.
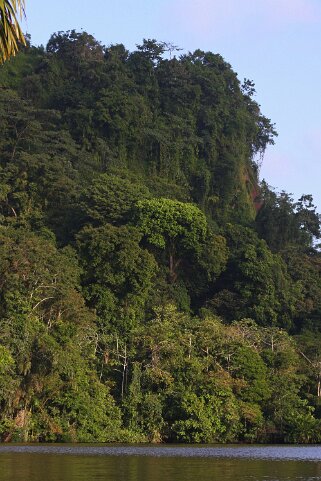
[(152, 288)]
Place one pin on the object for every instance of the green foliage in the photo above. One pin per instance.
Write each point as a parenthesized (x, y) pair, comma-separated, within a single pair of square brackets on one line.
[(283, 222), (150, 286), (250, 367), (118, 273), (256, 283), (111, 199), (178, 228), (214, 255), (166, 222), (202, 419)]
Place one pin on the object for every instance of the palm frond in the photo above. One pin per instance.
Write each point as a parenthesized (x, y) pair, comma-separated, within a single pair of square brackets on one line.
[(11, 35)]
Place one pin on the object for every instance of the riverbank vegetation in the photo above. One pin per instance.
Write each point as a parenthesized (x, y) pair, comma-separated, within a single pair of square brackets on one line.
[(152, 288)]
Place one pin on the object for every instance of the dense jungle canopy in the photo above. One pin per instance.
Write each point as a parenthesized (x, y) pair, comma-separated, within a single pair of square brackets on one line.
[(152, 288)]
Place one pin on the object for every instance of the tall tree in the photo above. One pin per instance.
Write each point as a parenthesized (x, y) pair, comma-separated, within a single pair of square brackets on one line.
[(176, 227)]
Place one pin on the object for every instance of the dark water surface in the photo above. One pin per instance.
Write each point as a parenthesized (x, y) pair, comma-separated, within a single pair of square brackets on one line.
[(69, 462)]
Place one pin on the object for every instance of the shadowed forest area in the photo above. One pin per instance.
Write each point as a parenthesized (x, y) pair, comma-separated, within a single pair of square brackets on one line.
[(152, 288)]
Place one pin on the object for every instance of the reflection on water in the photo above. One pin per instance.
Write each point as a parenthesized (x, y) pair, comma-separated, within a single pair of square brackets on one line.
[(295, 453), (147, 463)]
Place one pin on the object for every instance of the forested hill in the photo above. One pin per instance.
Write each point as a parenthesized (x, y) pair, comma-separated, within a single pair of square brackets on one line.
[(152, 289)]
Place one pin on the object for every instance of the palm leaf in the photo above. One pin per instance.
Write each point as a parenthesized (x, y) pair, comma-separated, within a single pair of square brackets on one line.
[(11, 35)]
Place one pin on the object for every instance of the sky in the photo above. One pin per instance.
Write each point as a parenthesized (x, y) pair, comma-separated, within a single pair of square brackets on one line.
[(275, 43)]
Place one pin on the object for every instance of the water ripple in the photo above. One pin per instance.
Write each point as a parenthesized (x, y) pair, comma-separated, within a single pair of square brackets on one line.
[(293, 453)]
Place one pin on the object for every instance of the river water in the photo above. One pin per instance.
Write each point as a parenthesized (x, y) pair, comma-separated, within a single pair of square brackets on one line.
[(70, 462)]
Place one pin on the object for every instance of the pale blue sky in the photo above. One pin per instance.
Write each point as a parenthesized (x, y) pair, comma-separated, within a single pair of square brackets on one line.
[(276, 43)]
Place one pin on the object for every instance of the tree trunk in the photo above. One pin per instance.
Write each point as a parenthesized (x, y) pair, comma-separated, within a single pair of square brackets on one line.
[(173, 264)]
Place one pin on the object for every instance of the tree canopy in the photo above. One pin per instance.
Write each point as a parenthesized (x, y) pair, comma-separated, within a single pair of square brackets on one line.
[(152, 288)]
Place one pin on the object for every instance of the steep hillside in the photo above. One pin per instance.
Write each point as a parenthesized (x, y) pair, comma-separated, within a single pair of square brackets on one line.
[(151, 287)]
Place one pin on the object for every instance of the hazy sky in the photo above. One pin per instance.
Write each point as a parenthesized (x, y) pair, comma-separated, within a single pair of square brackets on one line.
[(275, 43)]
